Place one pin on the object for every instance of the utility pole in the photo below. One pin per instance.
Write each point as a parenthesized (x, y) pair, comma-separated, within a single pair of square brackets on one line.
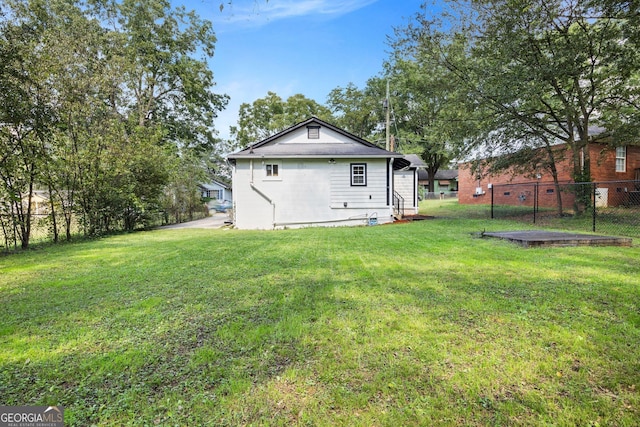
[(387, 105)]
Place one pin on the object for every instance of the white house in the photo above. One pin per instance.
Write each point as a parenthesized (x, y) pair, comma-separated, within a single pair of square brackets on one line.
[(313, 174), (220, 195), (406, 185), (216, 191)]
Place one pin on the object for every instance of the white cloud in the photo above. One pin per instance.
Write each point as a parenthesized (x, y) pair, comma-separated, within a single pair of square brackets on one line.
[(262, 12)]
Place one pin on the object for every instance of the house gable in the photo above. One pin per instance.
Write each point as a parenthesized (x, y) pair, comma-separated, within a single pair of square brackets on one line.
[(301, 135), (332, 142)]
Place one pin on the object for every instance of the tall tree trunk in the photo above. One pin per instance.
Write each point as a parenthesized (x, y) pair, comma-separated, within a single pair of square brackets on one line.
[(553, 168), (54, 222)]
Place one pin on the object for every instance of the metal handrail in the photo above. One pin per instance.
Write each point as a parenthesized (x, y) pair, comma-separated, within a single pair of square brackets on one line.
[(398, 204)]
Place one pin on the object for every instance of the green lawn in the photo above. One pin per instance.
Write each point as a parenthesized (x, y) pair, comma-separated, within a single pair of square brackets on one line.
[(614, 221), (408, 324)]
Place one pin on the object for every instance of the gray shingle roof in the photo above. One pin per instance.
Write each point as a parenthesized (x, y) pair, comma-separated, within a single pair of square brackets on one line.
[(209, 186), (416, 161), (441, 174), (354, 147), (315, 150)]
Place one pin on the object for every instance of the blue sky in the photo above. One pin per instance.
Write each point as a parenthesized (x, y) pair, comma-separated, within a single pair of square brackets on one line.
[(297, 46)]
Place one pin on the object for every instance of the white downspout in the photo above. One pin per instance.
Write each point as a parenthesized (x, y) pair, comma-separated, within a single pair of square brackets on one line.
[(264, 196)]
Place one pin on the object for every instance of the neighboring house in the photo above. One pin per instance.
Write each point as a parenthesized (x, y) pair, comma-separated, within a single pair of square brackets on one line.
[(218, 192), (446, 181), (406, 185), (313, 174), (40, 203), (607, 165)]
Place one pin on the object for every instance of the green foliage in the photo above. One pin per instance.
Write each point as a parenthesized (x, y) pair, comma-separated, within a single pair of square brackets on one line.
[(181, 200), (271, 114), (359, 111), (430, 113), (98, 100), (535, 73), (412, 324), (165, 84)]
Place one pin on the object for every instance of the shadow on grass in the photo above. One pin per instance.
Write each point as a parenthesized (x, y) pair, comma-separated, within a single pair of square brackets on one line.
[(121, 339), (396, 324)]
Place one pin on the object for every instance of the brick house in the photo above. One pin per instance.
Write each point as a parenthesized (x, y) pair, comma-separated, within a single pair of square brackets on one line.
[(607, 165)]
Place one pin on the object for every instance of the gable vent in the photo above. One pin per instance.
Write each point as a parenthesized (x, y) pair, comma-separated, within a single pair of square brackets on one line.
[(313, 132)]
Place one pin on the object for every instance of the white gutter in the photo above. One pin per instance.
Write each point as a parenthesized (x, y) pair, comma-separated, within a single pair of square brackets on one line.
[(391, 179)]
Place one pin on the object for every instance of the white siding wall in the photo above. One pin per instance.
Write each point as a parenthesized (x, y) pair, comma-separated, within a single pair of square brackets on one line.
[(299, 136), (405, 184), (373, 195), (308, 192), (227, 194)]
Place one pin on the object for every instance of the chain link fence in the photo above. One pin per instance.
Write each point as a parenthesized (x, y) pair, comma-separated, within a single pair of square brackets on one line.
[(611, 207), (431, 195), (42, 227)]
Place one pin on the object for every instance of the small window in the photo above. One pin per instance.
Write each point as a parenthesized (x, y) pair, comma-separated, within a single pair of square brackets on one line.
[(621, 159), (213, 194), (550, 190), (507, 193), (313, 132), (272, 169), (358, 174)]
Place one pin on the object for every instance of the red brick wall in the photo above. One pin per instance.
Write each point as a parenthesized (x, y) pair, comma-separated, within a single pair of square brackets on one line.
[(603, 164), (520, 194), (602, 169)]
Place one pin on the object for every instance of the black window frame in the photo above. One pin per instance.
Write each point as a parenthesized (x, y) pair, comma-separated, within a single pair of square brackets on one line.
[(363, 174)]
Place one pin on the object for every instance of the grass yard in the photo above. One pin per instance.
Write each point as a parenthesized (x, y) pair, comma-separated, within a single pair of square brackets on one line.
[(614, 221), (409, 324)]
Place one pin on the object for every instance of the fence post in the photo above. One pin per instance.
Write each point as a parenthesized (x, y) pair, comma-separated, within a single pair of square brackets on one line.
[(535, 202), (594, 208), (492, 202)]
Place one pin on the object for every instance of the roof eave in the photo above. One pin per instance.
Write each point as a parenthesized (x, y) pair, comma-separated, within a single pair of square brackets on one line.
[(314, 156)]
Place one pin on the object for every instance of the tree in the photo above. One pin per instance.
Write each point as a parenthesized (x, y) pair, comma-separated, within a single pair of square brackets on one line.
[(99, 98), (270, 115), (432, 113), (566, 79), (181, 199), (25, 118), (165, 84), (547, 71), (359, 111), (563, 72)]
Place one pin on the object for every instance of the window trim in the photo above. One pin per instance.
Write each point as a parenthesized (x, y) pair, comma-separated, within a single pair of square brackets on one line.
[(354, 175), (621, 156), (278, 168), (213, 194)]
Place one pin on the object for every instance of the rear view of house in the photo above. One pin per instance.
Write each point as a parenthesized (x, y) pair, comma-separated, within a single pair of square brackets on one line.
[(313, 174)]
